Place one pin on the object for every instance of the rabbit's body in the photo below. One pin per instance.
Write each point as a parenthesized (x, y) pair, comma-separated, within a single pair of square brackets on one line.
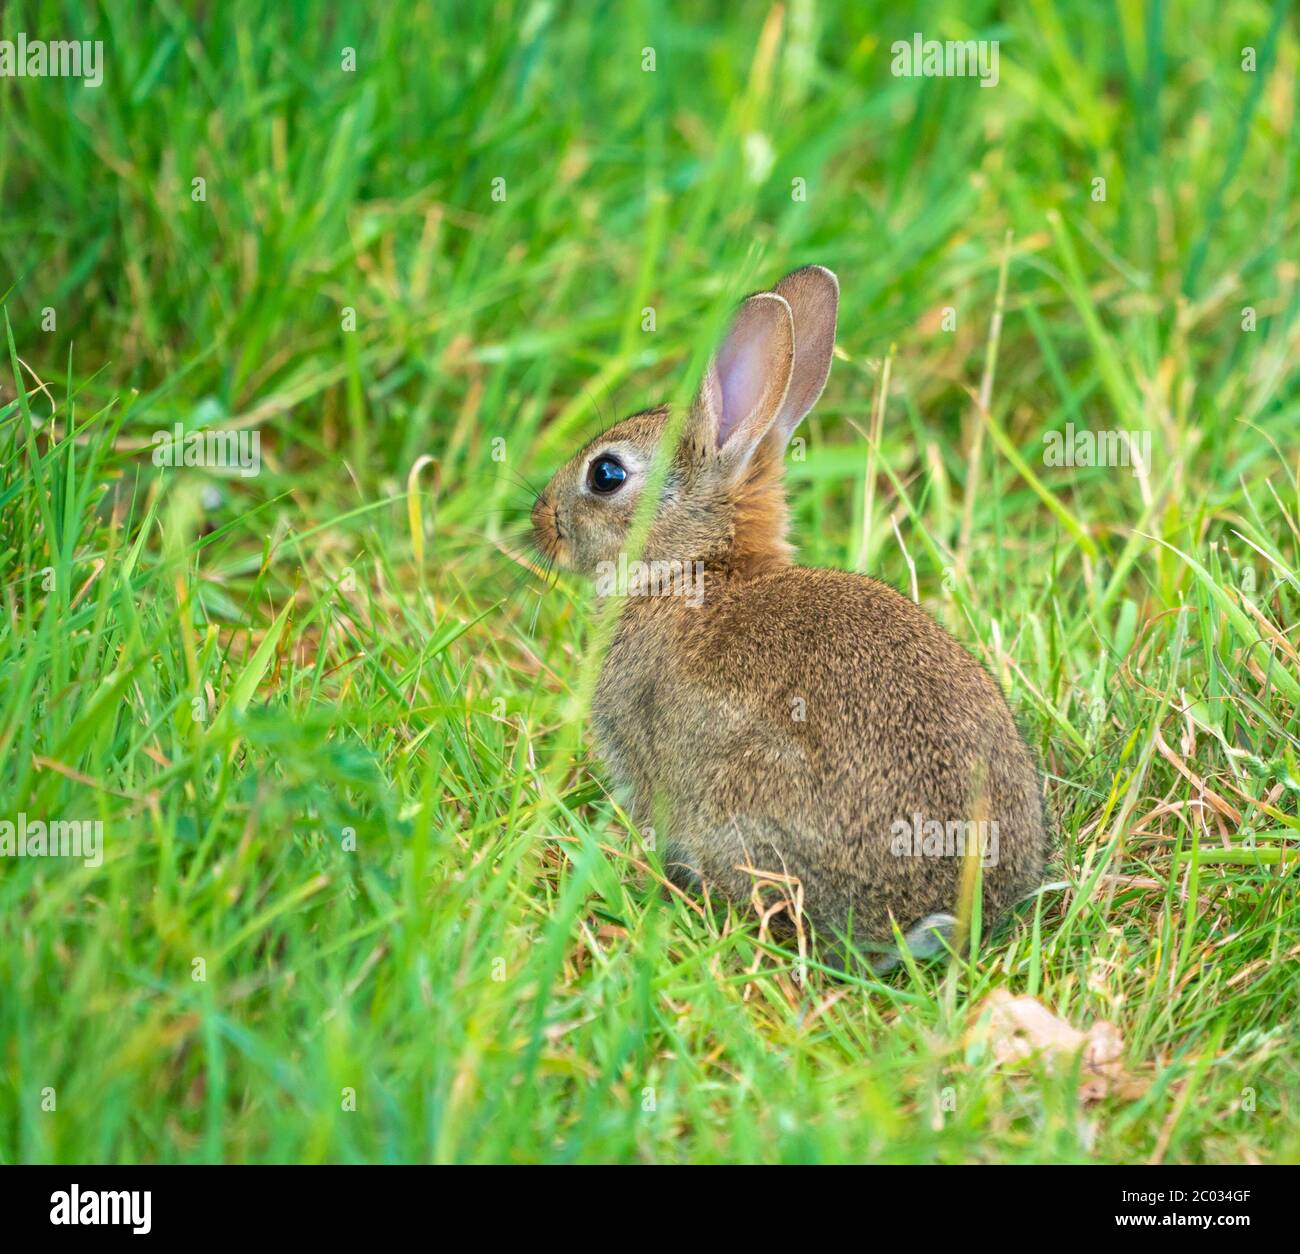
[(796, 721), (791, 722)]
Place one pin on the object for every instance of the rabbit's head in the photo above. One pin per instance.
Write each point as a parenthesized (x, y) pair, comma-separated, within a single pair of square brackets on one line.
[(722, 500)]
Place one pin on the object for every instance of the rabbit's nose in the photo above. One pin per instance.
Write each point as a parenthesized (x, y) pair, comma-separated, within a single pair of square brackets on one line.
[(546, 519)]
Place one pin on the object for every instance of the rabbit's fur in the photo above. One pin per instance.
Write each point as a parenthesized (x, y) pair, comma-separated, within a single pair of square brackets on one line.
[(786, 719)]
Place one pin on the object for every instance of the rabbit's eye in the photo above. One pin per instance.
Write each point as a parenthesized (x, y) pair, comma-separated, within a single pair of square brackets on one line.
[(606, 475)]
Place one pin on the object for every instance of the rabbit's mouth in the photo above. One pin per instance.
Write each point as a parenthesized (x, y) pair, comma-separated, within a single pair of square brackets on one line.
[(547, 532)]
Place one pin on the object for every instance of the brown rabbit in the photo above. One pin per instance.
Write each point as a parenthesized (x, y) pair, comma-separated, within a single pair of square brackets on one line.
[(774, 717)]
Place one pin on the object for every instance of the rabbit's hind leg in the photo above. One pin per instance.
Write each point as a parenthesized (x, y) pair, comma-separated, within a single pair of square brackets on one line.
[(927, 939)]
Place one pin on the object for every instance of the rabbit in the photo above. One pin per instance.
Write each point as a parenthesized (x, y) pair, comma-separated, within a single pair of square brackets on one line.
[(805, 722)]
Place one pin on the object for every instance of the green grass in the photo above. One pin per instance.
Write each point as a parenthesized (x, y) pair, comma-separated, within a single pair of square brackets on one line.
[(235, 675)]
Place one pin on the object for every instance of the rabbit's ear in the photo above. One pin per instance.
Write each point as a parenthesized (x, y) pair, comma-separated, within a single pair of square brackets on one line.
[(747, 380), (813, 295)]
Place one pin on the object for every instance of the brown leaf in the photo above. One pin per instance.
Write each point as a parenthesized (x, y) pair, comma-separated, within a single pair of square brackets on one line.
[(1021, 1029)]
